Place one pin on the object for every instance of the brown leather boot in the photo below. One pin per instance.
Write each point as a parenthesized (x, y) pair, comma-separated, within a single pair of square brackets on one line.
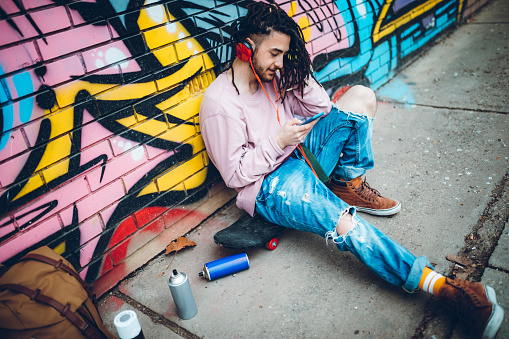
[(475, 304), (358, 193)]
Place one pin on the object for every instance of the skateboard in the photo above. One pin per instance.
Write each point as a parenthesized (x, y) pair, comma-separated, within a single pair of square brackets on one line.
[(249, 232)]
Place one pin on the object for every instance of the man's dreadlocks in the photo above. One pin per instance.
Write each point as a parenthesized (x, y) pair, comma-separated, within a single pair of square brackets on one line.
[(263, 19)]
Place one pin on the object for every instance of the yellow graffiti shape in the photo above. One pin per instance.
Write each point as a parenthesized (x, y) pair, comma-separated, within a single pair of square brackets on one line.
[(54, 161), (182, 172), (186, 109), (303, 21), (379, 32), (171, 43)]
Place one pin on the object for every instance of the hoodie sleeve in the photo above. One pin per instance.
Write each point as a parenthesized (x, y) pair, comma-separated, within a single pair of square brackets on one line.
[(227, 145), (315, 99)]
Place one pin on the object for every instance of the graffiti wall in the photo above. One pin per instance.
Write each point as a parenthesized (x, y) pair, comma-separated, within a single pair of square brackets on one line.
[(100, 148)]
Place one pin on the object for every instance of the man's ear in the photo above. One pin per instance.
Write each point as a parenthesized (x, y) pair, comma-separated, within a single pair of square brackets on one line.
[(252, 43)]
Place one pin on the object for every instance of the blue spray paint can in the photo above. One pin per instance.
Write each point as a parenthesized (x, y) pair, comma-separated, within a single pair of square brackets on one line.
[(222, 267)]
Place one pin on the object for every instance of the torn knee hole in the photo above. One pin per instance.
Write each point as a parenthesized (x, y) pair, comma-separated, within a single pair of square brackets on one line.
[(345, 224)]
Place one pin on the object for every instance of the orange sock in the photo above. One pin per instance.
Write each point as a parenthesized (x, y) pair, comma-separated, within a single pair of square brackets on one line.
[(431, 281)]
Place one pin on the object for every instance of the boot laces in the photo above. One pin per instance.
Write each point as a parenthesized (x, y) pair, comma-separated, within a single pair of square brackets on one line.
[(367, 191), (466, 302)]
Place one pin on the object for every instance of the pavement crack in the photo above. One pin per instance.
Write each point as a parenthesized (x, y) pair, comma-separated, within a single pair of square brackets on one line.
[(154, 316), (466, 109), (497, 268), (479, 246)]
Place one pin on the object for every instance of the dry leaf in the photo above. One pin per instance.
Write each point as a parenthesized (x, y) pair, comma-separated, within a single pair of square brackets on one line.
[(179, 244), (464, 266)]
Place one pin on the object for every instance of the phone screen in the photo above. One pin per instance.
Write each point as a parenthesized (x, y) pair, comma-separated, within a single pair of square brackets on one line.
[(318, 116)]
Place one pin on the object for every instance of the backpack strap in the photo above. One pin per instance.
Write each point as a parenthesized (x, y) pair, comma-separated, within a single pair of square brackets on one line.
[(88, 330), (60, 264), (313, 162)]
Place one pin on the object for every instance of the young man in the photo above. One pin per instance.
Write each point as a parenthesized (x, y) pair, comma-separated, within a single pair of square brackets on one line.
[(250, 130)]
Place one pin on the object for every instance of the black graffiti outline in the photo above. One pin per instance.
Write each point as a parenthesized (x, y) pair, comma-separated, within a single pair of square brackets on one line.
[(47, 207), (148, 63), (33, 161), (70, 234), (24, 12), (320, 60)]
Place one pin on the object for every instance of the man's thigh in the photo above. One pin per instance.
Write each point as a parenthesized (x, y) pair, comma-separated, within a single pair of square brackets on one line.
[(293, 197), (329, 136)]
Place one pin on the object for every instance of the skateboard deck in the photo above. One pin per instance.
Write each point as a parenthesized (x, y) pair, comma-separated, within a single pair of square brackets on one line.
[(249, 232)]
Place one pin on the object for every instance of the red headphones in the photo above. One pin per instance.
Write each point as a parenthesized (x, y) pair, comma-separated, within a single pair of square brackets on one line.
[(244, 51)]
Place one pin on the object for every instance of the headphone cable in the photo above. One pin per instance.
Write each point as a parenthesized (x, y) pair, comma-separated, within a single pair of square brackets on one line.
[(299, 147)]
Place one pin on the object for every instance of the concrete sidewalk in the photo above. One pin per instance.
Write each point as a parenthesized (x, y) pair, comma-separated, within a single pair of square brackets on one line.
[(441, 144)]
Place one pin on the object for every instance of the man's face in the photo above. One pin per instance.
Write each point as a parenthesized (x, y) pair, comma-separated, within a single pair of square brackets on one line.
[(269, 54)]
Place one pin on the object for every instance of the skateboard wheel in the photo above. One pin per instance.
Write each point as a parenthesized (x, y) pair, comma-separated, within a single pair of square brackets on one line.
[(272, 244)]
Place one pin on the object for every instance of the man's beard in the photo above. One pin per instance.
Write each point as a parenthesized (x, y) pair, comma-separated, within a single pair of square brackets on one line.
[(260, 71)]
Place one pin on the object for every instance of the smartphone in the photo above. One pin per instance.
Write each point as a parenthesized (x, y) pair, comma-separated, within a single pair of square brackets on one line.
[(313, 118)]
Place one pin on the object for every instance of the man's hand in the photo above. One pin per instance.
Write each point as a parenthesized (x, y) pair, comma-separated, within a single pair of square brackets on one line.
[(292, 134)]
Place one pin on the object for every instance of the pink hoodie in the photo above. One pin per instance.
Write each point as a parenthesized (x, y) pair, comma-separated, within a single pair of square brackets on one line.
[(239, 130)]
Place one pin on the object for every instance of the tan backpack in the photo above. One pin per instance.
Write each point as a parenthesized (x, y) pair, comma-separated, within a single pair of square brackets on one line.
[(42, 296)]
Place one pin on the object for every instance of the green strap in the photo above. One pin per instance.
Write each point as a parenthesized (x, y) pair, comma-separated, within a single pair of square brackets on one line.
[(322, 176)]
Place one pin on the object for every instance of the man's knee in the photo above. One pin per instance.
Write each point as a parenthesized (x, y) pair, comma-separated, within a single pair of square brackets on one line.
[(345, 224), (358, 99)]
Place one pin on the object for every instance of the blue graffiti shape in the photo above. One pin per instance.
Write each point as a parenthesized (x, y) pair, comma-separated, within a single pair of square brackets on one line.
[(398, 91), (24, 86), (7, 111)]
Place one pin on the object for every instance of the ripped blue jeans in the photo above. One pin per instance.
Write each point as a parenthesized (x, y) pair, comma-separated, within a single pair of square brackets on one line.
[(293, 197)]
